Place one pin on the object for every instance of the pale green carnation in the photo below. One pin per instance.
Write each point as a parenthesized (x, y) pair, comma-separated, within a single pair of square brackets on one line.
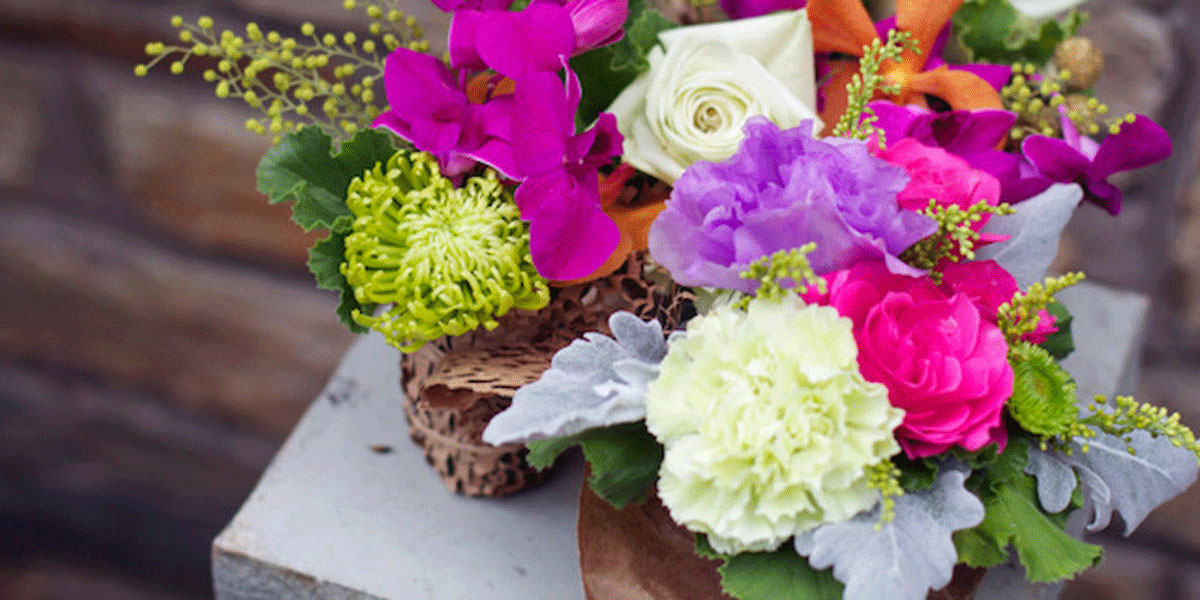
[(768, 425)]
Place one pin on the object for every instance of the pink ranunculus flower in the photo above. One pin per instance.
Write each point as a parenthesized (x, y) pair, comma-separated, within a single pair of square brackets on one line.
[(943, 361), (936, 174), (988, 285)]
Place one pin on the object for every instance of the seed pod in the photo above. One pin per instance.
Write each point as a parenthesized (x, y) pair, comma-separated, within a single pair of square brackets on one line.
[(1082, 59)]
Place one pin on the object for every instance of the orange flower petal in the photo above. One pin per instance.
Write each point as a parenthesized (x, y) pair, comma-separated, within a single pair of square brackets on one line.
[(841, 26), (635, 222), (962, 90), (836, 98), (924, 19)]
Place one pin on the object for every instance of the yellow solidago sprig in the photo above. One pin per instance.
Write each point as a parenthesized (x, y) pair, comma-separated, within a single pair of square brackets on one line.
[(858, 122), (784, 268), (885, 477), (1126, 415), (1041, 97), (439, 260), (330, 80), (955, 238), (1018, 317)]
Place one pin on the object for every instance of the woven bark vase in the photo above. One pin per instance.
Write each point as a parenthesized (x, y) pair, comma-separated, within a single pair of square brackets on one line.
[(456, 385), (639, 553)]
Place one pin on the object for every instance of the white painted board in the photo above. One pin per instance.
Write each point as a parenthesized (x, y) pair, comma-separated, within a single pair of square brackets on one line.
[(333, 519)]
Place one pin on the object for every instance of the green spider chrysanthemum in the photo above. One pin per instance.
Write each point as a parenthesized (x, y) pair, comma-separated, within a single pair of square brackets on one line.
[(1043, 400), (440, 260)]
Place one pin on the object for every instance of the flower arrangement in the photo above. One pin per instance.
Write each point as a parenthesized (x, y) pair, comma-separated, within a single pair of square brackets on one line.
[(862, 389)]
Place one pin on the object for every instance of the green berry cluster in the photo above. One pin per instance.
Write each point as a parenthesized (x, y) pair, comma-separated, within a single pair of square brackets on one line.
[(955, 239), (330, 80), (858, 122)]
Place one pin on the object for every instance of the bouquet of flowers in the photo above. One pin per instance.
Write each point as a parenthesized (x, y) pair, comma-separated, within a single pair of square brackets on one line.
[(777, 268)]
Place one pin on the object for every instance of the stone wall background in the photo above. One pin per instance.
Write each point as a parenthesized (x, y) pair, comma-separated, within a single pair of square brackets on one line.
[(159, 334)]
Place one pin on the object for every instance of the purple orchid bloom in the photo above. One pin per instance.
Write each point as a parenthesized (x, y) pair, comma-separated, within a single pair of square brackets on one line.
[(1079, 159), (570, 235), (745, 9), (430, 109)]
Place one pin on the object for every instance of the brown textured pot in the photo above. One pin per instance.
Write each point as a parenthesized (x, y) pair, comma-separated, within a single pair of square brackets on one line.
[(456, 385), (639, 553)]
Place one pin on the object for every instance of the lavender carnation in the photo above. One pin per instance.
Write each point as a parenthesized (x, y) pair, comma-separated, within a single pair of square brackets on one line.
[(781, 190)]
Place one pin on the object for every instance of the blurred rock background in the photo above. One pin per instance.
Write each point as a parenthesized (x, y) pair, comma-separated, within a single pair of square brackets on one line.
[(159, 334)]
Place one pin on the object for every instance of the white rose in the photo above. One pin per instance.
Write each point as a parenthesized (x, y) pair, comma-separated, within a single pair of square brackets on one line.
[(706, 80)]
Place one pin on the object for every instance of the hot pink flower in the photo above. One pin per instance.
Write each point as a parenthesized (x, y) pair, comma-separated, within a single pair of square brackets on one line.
[(943, 360), (988, 285), (570, 236), (938, 175)]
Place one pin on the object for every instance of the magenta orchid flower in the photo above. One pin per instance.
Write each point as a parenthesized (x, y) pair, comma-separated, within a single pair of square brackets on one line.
[(972, 135), (453, 5), (535, 39), (570, 235), (512, 43), (1079, 159), (430, 109), (745, 9)]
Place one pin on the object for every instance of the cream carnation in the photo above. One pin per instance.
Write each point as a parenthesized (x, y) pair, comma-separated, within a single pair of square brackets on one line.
[(767, 423), (706, 81)]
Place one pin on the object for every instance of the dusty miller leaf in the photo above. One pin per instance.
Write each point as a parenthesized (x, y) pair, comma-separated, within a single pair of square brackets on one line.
[(902, 559), (593, 382), (1034, 231), (1009, 582), (1112, 478)]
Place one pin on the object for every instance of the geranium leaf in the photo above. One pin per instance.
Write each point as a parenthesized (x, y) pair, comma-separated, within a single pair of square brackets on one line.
[(1061, 343), (325, 260), (624, 460), (1014, 516), (906, 557), (594, 382), (1113, 478), (303, 168), (993, 31), (778, 575)]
